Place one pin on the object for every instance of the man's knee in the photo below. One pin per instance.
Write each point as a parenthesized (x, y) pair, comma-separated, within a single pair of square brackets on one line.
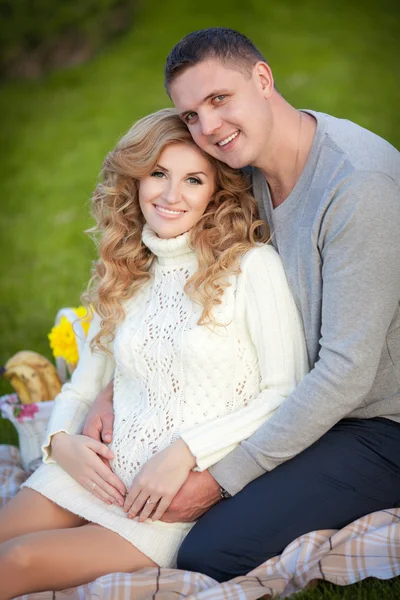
[(201, 555), (190, 557)]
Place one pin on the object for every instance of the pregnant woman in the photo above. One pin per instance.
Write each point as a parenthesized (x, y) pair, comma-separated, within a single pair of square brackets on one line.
[(194, 321)]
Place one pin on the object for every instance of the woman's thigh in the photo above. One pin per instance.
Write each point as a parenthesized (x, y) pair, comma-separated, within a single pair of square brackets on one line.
[(64, 558), (29, 511), (353, 470)]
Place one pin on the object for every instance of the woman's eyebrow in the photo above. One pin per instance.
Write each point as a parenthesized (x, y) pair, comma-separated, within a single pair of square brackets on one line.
[(197, 173), (158, 166)]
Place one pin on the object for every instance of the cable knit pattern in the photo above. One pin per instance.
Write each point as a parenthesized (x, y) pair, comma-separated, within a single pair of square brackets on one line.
[(211, 386), (148, 351)]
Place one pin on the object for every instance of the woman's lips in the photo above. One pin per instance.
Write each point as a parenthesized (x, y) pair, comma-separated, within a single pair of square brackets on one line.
[(169, 213)]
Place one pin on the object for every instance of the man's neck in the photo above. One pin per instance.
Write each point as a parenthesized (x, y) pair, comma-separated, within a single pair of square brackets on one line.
[(288, 155)]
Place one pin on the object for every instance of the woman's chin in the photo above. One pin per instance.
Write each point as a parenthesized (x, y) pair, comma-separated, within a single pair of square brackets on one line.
[(169, 231)]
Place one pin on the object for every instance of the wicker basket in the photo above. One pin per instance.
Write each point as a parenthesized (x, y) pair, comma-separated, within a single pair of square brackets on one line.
[(32, 429)]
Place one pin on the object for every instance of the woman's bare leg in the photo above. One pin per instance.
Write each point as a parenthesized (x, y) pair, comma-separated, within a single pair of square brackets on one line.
[(29, 511), (54, 560)]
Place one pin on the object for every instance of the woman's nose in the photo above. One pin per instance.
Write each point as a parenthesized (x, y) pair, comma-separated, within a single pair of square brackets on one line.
[(171, 193)]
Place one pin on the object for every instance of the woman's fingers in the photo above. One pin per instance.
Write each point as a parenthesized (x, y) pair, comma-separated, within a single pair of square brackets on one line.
[(105, 491), (134, 502), (108, 476), (80, 457), (149, 506), (112, 494), (159, 480), (97, 490), (100, 448), (112, 484), (161, 508), (108, 486)]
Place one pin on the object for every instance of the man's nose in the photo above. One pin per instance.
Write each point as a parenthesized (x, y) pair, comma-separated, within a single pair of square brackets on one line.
[(210, 124)]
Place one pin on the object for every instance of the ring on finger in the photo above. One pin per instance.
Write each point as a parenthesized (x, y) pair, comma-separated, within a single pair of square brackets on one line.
[(94, 486), (149, 501)]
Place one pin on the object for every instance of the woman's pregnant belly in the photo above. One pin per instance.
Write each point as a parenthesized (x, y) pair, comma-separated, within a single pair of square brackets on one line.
[(136, 438)]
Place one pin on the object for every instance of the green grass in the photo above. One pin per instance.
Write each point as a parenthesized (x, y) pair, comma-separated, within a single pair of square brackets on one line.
[(339, 58), (371, 589)]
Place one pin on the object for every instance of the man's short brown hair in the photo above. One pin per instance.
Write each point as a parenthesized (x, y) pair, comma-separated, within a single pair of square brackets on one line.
[(227, 45)]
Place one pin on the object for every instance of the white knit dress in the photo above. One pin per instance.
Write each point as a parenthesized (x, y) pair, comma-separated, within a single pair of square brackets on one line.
[(174, 378)]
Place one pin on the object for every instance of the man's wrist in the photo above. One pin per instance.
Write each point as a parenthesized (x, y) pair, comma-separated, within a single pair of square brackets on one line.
[(224, 494), (219, 493)]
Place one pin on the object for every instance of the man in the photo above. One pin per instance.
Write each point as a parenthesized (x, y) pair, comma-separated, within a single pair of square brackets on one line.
[(330, 191)]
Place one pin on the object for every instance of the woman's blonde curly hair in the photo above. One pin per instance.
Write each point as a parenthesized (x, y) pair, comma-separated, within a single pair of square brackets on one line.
[(229, 227)]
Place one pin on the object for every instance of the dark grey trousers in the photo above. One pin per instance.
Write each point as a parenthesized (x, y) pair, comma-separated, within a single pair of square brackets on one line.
[(351, 471)]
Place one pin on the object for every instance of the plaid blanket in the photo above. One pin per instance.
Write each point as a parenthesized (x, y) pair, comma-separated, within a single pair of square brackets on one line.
[(369, 547)]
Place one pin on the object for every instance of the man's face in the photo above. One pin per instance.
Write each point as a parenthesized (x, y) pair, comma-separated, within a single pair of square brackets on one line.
[(226, 111)]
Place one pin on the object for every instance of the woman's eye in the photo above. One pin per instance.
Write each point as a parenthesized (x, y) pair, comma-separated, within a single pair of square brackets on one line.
[(158, 174), (194, 181), (219, 98)]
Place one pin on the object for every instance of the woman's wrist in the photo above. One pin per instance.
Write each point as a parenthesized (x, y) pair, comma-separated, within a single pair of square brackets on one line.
[(55, 439), (187, 455)]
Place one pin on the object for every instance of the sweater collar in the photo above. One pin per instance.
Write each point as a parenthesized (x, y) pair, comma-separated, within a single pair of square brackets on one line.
[(168, 251)]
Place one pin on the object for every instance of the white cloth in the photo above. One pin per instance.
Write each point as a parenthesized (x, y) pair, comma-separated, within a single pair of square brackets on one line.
[(211, 386)]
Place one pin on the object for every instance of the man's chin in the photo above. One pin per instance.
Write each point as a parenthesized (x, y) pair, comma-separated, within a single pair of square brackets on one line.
[(235, 162)]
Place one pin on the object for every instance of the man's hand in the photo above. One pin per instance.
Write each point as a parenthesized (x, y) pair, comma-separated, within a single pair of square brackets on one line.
[(199, 493), (100, 418)]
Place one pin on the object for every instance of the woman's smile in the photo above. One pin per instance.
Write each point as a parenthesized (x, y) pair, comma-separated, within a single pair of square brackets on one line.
[(169, 213)]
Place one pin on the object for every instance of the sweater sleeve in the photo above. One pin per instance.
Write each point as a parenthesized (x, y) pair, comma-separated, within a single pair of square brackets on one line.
[(276, 331), (359, 249), (94, 371)]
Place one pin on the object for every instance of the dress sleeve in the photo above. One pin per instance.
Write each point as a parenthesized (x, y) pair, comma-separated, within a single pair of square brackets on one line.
[(276, 331), (94, 371)]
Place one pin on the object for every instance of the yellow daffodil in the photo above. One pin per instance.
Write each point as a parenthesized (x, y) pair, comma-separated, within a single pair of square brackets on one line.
[(62, 337), (85, 317)]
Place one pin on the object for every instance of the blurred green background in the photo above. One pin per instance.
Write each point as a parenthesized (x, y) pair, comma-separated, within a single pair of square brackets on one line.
[(337, 57)]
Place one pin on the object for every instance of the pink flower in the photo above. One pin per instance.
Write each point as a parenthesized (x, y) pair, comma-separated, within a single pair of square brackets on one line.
[(25, 411)]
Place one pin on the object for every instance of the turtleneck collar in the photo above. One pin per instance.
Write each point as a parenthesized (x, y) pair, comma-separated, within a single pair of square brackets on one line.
[(168, 251)]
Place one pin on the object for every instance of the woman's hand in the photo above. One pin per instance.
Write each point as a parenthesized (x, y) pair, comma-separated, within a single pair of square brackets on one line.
[(159, 480), (81, 457)]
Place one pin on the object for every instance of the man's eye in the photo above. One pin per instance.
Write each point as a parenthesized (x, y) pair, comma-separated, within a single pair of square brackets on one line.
[(189, 118), (158, 174), (194, 180), (219, 98)]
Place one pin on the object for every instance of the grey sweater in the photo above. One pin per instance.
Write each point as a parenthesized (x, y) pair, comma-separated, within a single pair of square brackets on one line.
[(338, 234)]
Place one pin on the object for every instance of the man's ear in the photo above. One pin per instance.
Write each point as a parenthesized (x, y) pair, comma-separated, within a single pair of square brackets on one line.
[(264, 78)]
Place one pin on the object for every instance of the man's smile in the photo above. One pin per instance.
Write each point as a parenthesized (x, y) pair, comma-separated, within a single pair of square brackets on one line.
[(223, 143)]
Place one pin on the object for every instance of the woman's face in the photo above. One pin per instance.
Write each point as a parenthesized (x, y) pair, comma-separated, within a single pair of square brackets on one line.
[(175, 195)]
